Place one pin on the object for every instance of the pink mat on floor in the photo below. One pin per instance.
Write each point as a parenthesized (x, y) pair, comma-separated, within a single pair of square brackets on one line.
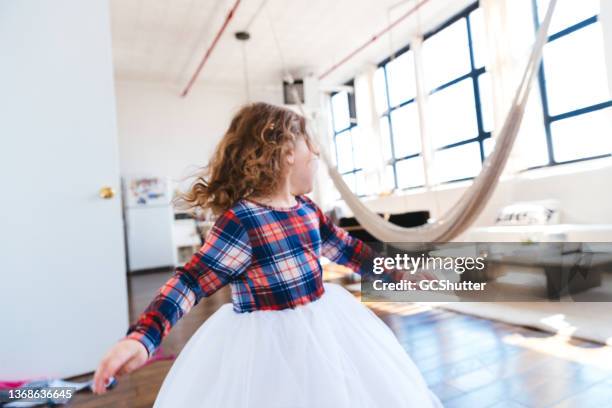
[(159, 355)]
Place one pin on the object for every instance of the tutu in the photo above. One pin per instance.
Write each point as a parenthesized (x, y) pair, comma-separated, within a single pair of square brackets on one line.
[(331, 353)]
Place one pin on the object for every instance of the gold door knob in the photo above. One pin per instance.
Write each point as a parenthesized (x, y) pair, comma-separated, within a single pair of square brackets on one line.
[(107, 192)]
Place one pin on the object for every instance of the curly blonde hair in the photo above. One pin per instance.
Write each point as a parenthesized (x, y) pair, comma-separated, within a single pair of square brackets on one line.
[(249, 159)]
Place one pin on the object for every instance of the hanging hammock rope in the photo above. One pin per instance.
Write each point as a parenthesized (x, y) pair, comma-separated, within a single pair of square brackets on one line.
[(475, 198)]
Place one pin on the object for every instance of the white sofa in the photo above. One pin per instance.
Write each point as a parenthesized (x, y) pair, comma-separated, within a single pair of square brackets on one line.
[(542, 233)]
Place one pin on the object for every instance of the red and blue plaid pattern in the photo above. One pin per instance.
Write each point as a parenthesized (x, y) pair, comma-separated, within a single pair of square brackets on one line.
[(268, 256)]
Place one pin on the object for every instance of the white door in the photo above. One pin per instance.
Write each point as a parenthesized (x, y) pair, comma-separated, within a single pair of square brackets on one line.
[(63, 278)]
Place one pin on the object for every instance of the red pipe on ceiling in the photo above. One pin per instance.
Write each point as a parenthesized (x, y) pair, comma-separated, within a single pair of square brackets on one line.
[(210, 49), (373, 39)]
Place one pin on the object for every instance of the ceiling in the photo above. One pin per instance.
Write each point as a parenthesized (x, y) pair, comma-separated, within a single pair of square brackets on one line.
[(163, 40)]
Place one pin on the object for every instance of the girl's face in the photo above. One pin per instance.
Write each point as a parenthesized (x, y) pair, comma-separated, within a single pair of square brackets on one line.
[(302, 164)]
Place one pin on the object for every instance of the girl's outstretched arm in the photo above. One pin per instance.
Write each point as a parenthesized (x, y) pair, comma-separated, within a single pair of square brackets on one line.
[(226, 253), (340, 247)]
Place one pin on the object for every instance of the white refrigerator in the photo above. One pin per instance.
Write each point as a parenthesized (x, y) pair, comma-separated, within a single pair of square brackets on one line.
[(149, 220)]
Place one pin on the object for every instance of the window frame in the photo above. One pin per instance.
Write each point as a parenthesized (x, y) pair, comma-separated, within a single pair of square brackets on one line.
[(474, 74), (542, 86), (387, 114), (352, 124)]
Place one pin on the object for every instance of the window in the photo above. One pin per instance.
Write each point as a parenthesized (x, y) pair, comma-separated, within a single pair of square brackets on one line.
[(459, 91), (395, 94), (573, 83), (347, 141), (460, 99)]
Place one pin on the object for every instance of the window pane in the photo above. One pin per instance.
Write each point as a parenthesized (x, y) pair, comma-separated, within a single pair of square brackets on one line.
[(568, 12), (575, 70), (486, 101), (349, 179), (380, 90), (360, 183), (406, 133), (344, 150), (410, 173), (340, 111), (359, 155), (400, 74), (334, 150), (385, 134), (453, 114), (389, 179), (446, 55), (487, 146), (458, 162), (582, 136), (479, 45)]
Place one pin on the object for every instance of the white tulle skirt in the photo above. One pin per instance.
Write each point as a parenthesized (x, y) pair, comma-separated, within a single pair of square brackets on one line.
[(331, 353)]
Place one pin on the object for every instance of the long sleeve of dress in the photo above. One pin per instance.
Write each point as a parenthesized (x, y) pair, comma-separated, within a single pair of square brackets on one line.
[(225, 254), (340, 247)]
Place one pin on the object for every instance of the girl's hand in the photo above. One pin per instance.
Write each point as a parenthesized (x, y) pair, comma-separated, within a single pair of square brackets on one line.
[(123, 358)]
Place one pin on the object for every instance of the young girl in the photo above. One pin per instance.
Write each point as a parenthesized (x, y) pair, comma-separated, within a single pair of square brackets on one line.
[(287, 340)]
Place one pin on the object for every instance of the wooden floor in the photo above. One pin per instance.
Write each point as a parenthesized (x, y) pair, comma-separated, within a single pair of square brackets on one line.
[(467, 361)]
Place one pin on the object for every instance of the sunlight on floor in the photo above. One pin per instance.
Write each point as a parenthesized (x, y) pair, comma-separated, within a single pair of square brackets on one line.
[(400, 309), (560, 344)]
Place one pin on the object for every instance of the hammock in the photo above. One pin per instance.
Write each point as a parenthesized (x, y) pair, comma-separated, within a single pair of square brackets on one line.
[(475, 198)]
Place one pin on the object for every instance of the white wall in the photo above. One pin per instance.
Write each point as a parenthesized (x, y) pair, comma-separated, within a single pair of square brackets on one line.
[(163, 134), (581, 188)]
